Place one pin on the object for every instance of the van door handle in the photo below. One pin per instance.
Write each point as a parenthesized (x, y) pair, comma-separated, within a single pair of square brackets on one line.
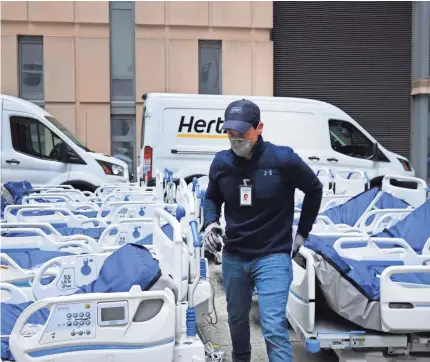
[(16, 162), (332, 159), (314, 158)]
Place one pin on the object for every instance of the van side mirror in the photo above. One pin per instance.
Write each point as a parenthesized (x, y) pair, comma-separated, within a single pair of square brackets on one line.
[(67, 155), (62, 152), (375, 152)]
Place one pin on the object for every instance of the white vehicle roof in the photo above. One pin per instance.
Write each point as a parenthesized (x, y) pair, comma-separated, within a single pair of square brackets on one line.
[(330, 108), (26, 105)]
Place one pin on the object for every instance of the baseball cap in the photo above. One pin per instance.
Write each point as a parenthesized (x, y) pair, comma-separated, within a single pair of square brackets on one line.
[(241, 115)]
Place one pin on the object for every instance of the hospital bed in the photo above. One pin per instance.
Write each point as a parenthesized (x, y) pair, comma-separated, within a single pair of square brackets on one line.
[(366, 296), (138, 331)]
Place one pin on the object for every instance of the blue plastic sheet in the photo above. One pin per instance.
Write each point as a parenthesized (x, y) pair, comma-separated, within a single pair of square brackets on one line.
[(18, 190), (414, 229), (351, 211)]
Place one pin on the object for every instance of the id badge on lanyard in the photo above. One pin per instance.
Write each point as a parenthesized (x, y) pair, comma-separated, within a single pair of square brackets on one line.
[(246, 193)]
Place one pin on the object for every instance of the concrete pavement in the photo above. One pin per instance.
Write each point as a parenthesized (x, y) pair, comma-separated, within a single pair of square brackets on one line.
[(219, 333)]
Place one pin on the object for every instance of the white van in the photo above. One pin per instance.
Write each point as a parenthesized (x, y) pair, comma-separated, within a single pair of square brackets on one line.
[(37, 148), (182, 132)]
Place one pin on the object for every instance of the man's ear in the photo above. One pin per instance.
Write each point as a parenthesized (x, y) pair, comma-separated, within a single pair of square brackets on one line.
[(259, 129)]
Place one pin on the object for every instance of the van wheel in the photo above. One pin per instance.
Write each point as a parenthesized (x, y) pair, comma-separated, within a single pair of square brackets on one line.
[(376, 182), (82, 186)]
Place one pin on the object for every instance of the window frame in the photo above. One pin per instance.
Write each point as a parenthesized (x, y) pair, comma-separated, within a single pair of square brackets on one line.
[(122, 6), (30, 39), (212, 44), (357, 129), (38, 123)]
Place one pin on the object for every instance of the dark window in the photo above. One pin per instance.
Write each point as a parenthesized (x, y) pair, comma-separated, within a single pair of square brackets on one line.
[(32, 138), (349, 140), (210, 67), (122, 50), (30, 54), (123, 139)]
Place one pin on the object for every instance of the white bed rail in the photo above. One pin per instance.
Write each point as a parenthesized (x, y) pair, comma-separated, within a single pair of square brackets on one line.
[(61, 200), (41, 238), (170, 252), (128, 338), (402, 252), (383, 219), (75, 272), (415, 197), (124, 232), (11, 294), (59, 215), (404, 307)]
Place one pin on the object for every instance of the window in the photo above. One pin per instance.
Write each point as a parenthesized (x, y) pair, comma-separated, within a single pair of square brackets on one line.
[(122, 50), (347, 139), (30, 55), (32, 138), (123, 139), (210, 67)]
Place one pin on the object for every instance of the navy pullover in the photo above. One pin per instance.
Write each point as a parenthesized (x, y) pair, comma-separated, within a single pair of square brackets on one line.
[(266, 226)]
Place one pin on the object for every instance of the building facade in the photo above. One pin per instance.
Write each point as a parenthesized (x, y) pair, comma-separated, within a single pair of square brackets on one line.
[(89, 63)]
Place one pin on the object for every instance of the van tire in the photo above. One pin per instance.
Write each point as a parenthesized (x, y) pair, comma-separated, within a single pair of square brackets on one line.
[(376, 182), (81, 185)]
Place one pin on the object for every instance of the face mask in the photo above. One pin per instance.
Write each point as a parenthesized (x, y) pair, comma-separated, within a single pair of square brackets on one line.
[(241, 147)]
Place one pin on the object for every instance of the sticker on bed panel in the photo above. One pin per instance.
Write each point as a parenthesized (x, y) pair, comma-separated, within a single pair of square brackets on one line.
[(67, 279), (122, 238)]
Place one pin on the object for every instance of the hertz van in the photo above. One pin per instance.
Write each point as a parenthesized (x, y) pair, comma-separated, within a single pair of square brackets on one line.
[(182, 132), (37, 148)]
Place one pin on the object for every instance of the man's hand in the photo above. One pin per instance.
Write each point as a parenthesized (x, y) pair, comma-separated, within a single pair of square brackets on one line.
[(298, 242), (213, 239)]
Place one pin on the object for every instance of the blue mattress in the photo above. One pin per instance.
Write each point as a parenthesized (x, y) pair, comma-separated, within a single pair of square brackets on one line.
[(414, 229), (350, 212), (137, 266)]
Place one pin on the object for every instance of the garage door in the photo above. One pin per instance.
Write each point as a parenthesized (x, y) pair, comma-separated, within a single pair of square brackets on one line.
[(355, 55)]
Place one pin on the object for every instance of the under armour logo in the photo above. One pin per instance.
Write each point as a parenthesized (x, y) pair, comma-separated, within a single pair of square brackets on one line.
[(267, 172)]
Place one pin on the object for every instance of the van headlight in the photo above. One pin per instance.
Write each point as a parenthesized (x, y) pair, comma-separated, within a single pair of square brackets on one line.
[(111, 168), (406, 165)]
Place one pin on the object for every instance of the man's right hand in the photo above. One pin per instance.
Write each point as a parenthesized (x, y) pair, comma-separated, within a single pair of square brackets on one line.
[(213, 239)]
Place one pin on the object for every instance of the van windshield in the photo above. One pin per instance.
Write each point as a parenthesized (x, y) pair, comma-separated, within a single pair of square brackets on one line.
[(67, 132)]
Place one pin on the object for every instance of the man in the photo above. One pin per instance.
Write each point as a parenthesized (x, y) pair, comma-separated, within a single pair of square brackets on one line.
[(258, 235)]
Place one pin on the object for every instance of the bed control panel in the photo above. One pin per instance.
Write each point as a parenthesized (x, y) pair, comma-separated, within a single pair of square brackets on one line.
[(112, 313), (71, 321)]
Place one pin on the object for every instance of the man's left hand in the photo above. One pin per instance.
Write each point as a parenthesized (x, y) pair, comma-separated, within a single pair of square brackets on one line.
[(298, 242)]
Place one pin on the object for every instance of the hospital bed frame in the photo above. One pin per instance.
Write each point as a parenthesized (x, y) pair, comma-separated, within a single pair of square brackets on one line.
[(180, 318), (350, 342)]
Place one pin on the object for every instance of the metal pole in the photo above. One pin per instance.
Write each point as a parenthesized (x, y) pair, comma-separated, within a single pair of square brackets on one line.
[(419, 103)]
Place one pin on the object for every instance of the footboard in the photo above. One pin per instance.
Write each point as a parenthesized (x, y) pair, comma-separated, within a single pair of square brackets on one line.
[(301, 299), (405, 306), (124, 327)]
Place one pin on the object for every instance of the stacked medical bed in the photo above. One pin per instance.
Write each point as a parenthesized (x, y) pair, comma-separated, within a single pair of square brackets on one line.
[(364, 290), (130, 292)]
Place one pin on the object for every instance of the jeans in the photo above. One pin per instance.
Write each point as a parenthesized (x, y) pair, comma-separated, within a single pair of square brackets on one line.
[(272, 276)]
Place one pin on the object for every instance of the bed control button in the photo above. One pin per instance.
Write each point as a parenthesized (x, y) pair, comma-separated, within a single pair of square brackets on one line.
[(87, 323), (80, 333), (75, 315), (87, 314), (81, 314), (88, 332), (69, 315), (73, 333), (69, 324)]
